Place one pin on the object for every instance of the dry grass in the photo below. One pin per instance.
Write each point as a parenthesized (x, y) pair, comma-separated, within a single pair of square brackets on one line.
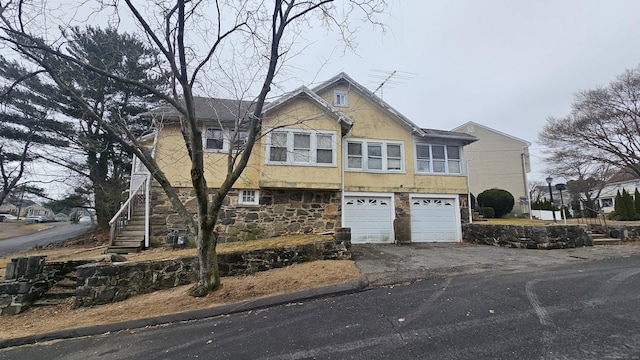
[(12, 228), (234, 289)]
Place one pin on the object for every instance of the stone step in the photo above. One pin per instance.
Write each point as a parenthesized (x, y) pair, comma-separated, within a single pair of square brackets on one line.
[(119, 242), (123, 249), (607, 241)]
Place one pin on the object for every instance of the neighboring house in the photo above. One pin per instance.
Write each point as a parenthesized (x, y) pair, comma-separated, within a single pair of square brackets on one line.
[(498, 160), (623, 179), (329, 157), (27, 208)]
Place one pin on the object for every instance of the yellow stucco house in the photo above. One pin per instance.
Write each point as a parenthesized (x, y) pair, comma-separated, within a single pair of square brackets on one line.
[(332, 156)]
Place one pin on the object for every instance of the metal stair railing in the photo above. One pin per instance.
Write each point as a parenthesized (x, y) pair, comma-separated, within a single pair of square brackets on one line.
[(123, 216), (599, 220)]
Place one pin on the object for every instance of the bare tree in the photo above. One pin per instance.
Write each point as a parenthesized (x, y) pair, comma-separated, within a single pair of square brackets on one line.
[(203, 44), (602, 129)]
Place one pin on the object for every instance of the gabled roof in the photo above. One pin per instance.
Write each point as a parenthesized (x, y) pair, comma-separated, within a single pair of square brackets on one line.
[(304, 92), (207, 109), (343, 78), (623, 175), (492, 130)]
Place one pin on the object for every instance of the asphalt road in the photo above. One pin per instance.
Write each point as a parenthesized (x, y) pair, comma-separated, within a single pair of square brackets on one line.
[(57, 232), (582, 310)]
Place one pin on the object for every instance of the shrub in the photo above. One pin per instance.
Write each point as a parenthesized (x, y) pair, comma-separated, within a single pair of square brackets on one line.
[(487, 212), (500, 200)]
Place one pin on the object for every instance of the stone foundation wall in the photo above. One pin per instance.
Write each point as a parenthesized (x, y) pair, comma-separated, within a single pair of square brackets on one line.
[(529, 237), (107, 283), (280, 212)]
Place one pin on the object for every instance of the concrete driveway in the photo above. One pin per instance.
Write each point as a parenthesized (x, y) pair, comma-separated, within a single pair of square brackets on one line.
[(394, 264)]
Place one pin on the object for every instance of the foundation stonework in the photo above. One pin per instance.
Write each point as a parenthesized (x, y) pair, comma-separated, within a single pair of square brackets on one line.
[(279, 212)]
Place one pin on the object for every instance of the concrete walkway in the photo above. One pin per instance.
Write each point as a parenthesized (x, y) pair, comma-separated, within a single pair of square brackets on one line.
[(392, 264)]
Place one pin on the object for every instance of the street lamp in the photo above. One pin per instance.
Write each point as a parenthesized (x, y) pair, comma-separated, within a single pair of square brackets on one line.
[(549, 180), (561, 187)]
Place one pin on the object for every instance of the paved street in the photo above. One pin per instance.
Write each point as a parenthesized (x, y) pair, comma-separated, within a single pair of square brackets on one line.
[(57, 232), (577, 310)]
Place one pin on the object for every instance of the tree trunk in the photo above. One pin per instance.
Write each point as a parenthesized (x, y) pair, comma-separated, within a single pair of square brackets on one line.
[(208, 273)]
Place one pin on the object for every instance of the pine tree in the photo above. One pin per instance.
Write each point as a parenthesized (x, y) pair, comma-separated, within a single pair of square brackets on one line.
[(619, 207)]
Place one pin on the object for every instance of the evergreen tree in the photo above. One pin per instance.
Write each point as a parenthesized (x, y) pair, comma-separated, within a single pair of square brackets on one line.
[(619, 207)]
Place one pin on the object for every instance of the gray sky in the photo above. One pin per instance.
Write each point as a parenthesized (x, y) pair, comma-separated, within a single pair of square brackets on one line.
[(502, 63)]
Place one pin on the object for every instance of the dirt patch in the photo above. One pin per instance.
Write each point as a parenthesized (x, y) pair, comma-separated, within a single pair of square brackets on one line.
[(293, 278)]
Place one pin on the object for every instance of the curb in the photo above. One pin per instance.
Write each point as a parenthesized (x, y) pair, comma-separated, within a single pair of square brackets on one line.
[(309, 294)]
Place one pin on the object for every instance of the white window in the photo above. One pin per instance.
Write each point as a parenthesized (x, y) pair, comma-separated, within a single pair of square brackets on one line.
[(380, 155), (216, 139), (301, 147), (606, 202), (443, 159), (340, 98), (248, 197)]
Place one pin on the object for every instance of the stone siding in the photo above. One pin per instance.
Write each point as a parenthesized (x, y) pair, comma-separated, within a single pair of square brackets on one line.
[(280, 212), (107, 283), (529, 237)]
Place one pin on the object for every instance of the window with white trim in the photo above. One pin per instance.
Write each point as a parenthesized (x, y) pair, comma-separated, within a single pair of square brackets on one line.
[(340, 98), (248, 197), (439, 159), (216, 139), (606, 202), (301, 147), (375, 155)]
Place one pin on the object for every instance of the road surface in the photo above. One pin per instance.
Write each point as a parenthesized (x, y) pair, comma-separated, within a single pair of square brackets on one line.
[(57, 232), (586, 310)]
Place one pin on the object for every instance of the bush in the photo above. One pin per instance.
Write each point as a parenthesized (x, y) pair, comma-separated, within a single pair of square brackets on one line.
[(487, 212), (500, 200)]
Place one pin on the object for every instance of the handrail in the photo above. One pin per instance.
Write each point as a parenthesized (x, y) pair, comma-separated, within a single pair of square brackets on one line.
[(121, 218)]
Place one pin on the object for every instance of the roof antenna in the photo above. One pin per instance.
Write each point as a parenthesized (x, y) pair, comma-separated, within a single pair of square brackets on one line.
[(389, 78)]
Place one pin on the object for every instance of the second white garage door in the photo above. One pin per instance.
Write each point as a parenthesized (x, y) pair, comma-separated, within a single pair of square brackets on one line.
[(369, 217), (434, 219)]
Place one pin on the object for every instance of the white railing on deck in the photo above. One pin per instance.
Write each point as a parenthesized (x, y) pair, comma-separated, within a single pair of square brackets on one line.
[(136, 200)]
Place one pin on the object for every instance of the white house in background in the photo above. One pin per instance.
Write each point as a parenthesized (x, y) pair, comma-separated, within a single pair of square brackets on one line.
[(623, 179), (498, 160)]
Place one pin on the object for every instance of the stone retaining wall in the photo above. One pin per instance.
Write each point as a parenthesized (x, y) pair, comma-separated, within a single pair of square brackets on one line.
[(625, 232), (107, 283), (27, 279), (529, 237)]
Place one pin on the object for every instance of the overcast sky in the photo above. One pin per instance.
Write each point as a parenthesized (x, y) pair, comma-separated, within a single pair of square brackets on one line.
[(505, 64)]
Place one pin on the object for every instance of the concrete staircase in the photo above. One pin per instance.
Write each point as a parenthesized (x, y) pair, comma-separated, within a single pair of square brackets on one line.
[(131, 237), (604, 239)]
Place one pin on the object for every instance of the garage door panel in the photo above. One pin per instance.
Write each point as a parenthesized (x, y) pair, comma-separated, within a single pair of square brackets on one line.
[(433, 220), (369, 219)]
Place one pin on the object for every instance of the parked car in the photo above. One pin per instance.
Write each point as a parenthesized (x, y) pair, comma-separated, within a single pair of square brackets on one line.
[(36, 218), (8, 217)]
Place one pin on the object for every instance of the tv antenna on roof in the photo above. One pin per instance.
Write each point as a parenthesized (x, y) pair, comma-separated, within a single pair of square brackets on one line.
[(389, 78)]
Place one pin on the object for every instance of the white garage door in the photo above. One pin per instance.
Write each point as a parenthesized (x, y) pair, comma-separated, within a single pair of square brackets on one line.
[(369, 217), (434, 219)]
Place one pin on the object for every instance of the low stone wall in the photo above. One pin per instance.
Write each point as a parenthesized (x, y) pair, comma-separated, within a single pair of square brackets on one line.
[(27, 279), (529, 237), (625, 232), (107, 283)]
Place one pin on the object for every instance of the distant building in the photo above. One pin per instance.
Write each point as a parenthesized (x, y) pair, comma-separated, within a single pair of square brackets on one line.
[(498, 160)]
